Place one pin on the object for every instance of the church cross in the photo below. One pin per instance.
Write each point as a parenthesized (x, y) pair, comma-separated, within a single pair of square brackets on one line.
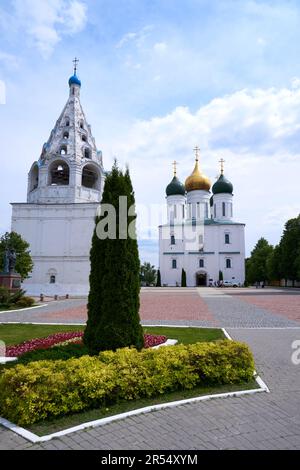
[(222, 161), (197, 152), (75, 62), (175, 167)]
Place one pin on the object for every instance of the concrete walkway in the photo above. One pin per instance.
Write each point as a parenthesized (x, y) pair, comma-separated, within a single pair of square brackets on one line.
[(260, 421)]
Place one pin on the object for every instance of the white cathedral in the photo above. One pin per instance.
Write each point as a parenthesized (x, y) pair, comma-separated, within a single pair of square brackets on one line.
[(201, 236), (64, 191)]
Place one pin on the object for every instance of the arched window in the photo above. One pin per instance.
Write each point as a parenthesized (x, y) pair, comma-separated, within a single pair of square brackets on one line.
[(52, 279), (172, 239), (201, 263), (87, 153), (81, 125), (228, 263), (66, 135), (67, 123), (174, 264), (63, 150), (83, 137), (34, 178), (223, 209), (90, 177), (59, 174), (227, 238)]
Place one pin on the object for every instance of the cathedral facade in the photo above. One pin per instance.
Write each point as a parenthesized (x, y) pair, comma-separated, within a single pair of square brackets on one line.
[(64, 191), (201, 237)]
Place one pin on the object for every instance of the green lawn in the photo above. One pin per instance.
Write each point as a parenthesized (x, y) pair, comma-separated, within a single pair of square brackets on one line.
[(15, 334)]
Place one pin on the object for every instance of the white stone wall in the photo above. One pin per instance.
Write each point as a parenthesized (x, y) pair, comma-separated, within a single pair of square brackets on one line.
[(60, 239), (215, 252)]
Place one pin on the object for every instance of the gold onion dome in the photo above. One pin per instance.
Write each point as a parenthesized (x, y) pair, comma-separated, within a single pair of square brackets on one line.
[(197, 180)]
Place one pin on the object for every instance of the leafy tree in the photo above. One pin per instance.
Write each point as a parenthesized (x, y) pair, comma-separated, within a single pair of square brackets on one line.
[(158, 280), (256, 265), (290, 250), (14, 241), (148, 274), (183, 278), (113, 303), (274, 266)]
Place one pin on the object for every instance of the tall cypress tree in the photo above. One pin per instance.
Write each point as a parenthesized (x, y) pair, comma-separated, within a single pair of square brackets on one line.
[(183, 278), (158, 280), (113, 304)]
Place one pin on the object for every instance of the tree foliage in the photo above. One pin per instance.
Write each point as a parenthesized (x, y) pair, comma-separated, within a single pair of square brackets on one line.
[(158, 280), (257, 265), (14, 241), (183, 278), (290, 250), (148, 274), (113, 303)]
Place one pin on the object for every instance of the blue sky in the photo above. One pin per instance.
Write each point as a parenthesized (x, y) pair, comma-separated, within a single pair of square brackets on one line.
[(158, 78)]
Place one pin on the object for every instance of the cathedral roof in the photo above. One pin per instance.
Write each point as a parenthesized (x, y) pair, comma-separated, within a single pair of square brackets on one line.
[(197, 180), (222, 185), (74, 80), (175, 188)]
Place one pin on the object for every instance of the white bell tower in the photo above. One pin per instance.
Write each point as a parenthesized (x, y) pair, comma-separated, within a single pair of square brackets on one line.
[(64, 190)]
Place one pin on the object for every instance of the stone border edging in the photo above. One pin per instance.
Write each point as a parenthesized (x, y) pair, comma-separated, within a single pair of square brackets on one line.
[(34, 438), (23, 309)]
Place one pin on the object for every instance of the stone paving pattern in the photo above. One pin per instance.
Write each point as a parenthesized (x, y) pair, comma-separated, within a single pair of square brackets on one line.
[(260, 421)]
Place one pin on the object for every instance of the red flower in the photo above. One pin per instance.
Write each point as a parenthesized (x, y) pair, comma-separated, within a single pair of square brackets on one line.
[(57, 338)]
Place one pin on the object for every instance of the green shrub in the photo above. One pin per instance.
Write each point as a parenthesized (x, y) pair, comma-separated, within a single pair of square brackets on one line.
[(44, 389), (25, 302), (54, 354), (8, 299)]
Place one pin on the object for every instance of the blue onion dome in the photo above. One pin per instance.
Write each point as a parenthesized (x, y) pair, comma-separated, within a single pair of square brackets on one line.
[(175, 188), (222, 185), (74, 80)]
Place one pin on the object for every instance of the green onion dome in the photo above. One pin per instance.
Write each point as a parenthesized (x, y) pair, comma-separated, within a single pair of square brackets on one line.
[(222, 185), (175, 188)]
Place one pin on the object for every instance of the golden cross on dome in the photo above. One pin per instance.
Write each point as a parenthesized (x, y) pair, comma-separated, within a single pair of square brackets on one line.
[(197, 152), (75, 62), (175, 167), (222, 161)]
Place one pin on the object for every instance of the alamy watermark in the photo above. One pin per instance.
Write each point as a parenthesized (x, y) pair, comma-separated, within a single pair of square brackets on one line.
[(142, 221), (2, 92), (296, 354)]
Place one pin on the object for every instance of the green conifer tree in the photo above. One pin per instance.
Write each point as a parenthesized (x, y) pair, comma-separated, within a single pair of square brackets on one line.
[(113, 304), (183, 278), (158, 280)]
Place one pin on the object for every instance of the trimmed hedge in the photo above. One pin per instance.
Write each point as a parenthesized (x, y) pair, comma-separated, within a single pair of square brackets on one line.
[(45, 389)]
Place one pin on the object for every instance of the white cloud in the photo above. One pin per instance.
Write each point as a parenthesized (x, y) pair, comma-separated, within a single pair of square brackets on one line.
[(137, 37), (47, 21), (160, 47), (256, 131), (9, 60)]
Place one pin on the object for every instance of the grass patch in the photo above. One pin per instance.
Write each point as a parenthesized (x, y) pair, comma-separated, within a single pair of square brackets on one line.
[(59, 424), (18, 333)]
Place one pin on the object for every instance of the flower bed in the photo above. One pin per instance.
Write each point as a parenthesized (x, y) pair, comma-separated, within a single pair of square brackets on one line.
[(61, 339)]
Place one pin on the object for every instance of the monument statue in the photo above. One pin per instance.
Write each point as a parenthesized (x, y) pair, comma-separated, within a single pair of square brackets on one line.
[(10, 258)]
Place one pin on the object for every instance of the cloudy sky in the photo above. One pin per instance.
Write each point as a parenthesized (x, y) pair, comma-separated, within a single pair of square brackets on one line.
[(159, 77)]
